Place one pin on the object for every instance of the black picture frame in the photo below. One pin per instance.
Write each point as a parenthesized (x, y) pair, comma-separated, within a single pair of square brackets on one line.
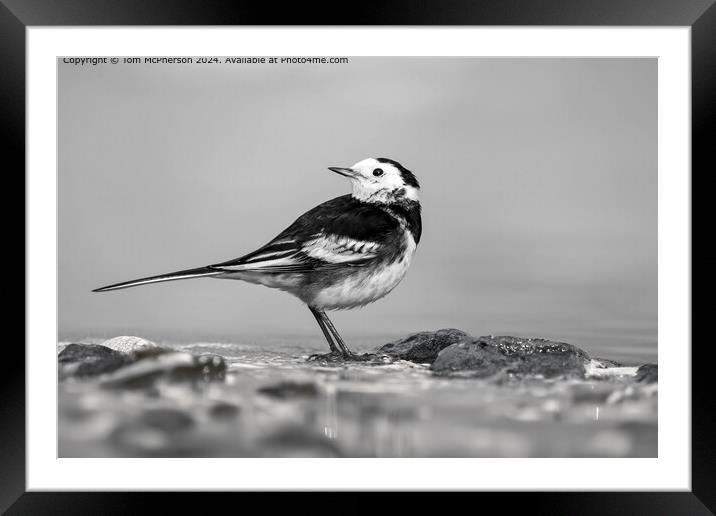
[(700, 15)]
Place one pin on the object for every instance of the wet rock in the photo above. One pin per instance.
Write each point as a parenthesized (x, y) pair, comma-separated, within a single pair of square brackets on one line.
[(84, 360), (648, 373), (605, 363), (167, 365), (80, 352), (474, 356), (487, 356), (290, 390), (224, 411), (129, 344), (423, 347), (134, 362), (166, 419)]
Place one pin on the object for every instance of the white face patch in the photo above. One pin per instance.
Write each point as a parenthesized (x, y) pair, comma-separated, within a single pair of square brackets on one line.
[(383, 188)]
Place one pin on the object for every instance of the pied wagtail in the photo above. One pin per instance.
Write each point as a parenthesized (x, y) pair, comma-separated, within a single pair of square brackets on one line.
[(344, 253)]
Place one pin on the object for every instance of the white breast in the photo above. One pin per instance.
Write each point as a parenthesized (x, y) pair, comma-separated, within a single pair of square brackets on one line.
[(367, 284)]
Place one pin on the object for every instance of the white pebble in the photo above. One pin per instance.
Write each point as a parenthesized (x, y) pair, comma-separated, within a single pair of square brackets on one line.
[(129, 344)]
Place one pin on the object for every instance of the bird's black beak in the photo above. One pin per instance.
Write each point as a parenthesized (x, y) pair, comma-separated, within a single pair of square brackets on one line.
[(348, 172)]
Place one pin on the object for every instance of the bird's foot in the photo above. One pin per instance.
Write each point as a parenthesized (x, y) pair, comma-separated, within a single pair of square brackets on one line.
[(332, 357), (337, 357)]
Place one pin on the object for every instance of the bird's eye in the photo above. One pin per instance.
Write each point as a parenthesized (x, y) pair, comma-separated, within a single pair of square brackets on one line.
[(378, 172)]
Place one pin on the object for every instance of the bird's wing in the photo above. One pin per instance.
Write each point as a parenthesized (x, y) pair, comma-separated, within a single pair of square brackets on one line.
[(337, 233), (322, 251)]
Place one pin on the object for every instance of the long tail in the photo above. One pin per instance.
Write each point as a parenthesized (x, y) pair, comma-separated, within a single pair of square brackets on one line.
[(171, 276)]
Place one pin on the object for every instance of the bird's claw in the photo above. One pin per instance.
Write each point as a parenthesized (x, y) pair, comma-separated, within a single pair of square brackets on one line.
[(337, 357), (333, 356)]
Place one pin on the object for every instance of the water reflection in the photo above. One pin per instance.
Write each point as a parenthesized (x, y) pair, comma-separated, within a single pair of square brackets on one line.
[(330, 415)]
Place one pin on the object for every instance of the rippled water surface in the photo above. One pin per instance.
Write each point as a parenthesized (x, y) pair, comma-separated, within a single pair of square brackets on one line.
[(275, 403)]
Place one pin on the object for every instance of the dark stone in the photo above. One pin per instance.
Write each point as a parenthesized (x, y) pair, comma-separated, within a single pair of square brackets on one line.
[(648, 373), (224, 411), (423, 347), (290, 390), (173, 366), (487, 356), (140, 367), (473, 356), (79, 352), (83, 360), (167, 420)]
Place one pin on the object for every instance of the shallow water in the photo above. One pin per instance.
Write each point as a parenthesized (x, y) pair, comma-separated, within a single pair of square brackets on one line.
[(274, 403)]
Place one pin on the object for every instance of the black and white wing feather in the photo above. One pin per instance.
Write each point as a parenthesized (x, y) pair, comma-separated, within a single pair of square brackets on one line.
[(339, 233), (323, 251)]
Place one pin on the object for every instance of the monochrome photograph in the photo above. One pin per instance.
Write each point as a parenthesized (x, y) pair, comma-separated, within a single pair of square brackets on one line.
[(429, 257)]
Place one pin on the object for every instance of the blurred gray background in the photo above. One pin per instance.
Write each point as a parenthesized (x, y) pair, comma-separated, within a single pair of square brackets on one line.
[(539, 193)]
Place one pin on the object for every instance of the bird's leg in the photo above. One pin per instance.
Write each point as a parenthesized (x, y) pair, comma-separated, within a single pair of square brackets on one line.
[(336, 337), (326, 332)]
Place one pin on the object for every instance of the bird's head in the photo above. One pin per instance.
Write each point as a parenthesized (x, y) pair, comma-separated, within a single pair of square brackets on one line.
[(381, 180)]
